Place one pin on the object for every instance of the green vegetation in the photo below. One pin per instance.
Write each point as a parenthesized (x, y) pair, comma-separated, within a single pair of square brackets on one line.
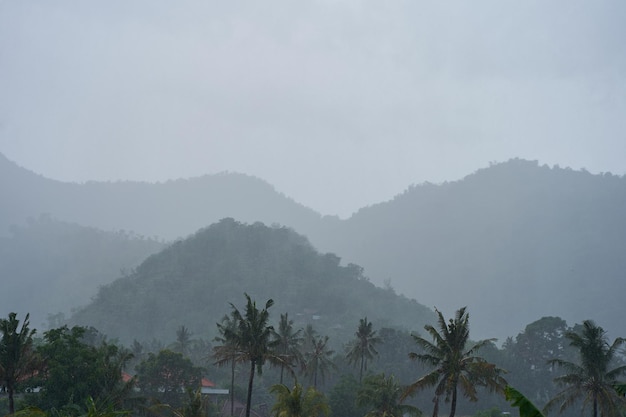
[(517, 399), (194, 281), (362, 348), (454, 364), (591, 382), (78, 372), (166, 374), (252, 339), (382, 397), (17, 358), (298, 402), (79, 366), (167, 308), (288, 342)]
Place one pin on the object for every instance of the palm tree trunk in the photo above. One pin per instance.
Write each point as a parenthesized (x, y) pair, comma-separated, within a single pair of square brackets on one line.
[(436, 407), (595, 406), (453, 403), (11, 402), (232, 388), (362, 366), (250, 382)]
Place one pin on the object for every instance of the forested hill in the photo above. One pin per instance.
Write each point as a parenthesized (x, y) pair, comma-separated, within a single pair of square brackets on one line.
[(192, 282), (167, 210), (49, 267), (515, 241)]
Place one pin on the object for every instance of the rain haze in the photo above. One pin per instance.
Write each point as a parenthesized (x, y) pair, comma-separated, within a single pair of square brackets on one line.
[(338, 104)]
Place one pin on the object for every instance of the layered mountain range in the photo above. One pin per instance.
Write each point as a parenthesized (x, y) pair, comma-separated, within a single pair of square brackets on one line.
[(514, 241)]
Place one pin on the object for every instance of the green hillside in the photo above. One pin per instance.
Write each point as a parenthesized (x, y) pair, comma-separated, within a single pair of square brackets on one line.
[(193, 281)]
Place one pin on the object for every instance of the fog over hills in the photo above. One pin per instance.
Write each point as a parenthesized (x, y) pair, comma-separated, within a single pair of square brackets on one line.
[(514, 241), (167, 210), (193, 281)]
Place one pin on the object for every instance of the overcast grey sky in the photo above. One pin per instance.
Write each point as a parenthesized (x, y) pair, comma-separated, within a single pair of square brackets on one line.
[(338, 104)]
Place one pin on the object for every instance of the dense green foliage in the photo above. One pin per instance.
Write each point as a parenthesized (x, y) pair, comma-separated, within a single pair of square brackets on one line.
[(79, 366), (166, 376), (517, 399), (81, 354), (298, 402), (17, 358), (381, 396)]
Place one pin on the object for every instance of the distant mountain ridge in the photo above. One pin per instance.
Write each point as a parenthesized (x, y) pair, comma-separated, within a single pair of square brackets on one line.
[(50, 267), (167, 210), (514, 241)]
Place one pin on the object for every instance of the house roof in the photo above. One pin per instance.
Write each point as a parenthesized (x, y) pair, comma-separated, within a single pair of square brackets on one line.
[(205, 383)]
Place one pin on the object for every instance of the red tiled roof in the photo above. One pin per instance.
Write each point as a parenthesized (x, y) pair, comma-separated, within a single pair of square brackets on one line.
[(207, 384)]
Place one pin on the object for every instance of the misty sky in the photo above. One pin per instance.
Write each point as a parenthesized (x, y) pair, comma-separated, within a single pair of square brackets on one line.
[(338, 104)]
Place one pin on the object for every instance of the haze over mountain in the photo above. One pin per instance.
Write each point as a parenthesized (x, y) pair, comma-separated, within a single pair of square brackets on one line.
[(193, 282), (514, 241), (48, 267), (167, 210), (338, 104)]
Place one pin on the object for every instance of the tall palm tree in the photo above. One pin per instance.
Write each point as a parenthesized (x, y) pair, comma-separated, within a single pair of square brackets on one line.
[(288, 346), (363, 347), (453, 364), (382, 396), (228, 351), (318, 359), (298, 402), (592, 381), (17, 357), (253, 340)]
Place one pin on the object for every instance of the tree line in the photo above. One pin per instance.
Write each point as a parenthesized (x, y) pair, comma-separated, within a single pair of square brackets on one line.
[(76, 371)]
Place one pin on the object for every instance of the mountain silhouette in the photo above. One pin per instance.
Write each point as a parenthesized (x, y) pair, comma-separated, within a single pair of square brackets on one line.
[(514, 241)]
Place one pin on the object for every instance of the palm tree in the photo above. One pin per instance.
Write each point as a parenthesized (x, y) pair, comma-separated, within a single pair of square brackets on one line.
[(298, 402), (453, 364), (308, 338), (17, 358), (252, 340), (590, 381), (288, 346), (183, 340), (228, 352), (363, 348), (317, 360), (382, 396)]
